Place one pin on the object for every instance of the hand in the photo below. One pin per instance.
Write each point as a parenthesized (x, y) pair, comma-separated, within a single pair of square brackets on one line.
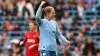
[(42, 3), (21, 43), (30, 47), (67, 43)]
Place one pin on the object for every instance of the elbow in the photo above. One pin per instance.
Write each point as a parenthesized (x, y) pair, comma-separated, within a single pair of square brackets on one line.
[(58, 35), (36, 17)]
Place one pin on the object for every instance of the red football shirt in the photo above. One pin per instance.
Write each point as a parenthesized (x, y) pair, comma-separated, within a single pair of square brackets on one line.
[(31, 39)]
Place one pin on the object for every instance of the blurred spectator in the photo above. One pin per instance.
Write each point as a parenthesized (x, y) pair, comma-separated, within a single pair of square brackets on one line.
[(98, 12), (80, 7), (67, 6), (1, 54), (21, 8), (16, 30), (83, 30), (10, 6), (6, 52), (77, 17), (98, 54), (16, 54), (59, 47), (89, 11), (81, 37), (4, 39), (0, 9), (97, 20), (61, 27), (90, 2), (66, 20), (65, 52), (89, 47), (1, 44), (5, 43), (19, 17), (78, 42), (8, 26), (60, 2), (20, 5), (71, 2), (69, 37), (94, 29), (76, 52), (81, 2), (29, 20), (3, 7), (48, 2), (16, 27), (94, 26), (59, 11), (29, 7), (15, 48), (74, 27), (9, 17)]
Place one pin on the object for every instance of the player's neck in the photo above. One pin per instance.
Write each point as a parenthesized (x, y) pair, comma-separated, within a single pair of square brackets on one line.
[(33, 31), (47, 18)]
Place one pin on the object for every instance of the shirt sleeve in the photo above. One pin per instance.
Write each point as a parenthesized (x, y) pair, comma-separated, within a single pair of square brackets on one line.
[(25, 38), (59, 35), (38, 14)]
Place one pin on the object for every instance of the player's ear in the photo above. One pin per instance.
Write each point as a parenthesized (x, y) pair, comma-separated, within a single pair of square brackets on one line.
[(47, 14)]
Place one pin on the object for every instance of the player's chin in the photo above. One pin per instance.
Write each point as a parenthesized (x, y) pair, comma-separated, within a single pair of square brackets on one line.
[(53, 17), (31, 29)]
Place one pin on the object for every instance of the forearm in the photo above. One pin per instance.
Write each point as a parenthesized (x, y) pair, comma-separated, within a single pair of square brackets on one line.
[(59, 34), (62, 37), (24, 42), (35, 44)]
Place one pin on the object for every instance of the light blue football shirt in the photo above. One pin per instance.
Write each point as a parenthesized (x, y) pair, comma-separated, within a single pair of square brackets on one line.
[(48, 32)]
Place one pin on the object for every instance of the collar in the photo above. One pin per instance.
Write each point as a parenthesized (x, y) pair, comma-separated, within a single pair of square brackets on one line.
[(48, 20)]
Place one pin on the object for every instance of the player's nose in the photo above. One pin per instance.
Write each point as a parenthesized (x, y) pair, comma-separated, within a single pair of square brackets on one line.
[(54, 14)]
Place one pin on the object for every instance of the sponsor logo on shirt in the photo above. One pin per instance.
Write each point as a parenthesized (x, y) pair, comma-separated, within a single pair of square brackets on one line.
[(31, 40)]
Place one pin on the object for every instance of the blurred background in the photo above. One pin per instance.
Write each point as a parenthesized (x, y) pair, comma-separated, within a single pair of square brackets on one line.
[(78, 20)]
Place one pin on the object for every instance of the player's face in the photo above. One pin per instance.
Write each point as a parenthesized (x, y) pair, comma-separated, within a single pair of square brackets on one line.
[(31, 26), (52, 14)]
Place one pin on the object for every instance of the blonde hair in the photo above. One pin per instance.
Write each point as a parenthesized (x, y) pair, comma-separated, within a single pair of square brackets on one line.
[(47, 9)]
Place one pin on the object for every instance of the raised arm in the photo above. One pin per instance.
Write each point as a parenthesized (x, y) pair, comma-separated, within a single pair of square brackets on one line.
[(38, 13), (59, 35)]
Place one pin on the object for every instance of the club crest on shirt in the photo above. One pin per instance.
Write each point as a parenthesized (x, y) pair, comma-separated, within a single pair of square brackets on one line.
[(28, 36), (44, 54), (34, 36)]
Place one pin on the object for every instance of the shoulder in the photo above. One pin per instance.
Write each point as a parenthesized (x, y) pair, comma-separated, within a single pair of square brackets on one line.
[(43, 19), (28, 5), (37, 33), (27, 33), (54, 21)]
